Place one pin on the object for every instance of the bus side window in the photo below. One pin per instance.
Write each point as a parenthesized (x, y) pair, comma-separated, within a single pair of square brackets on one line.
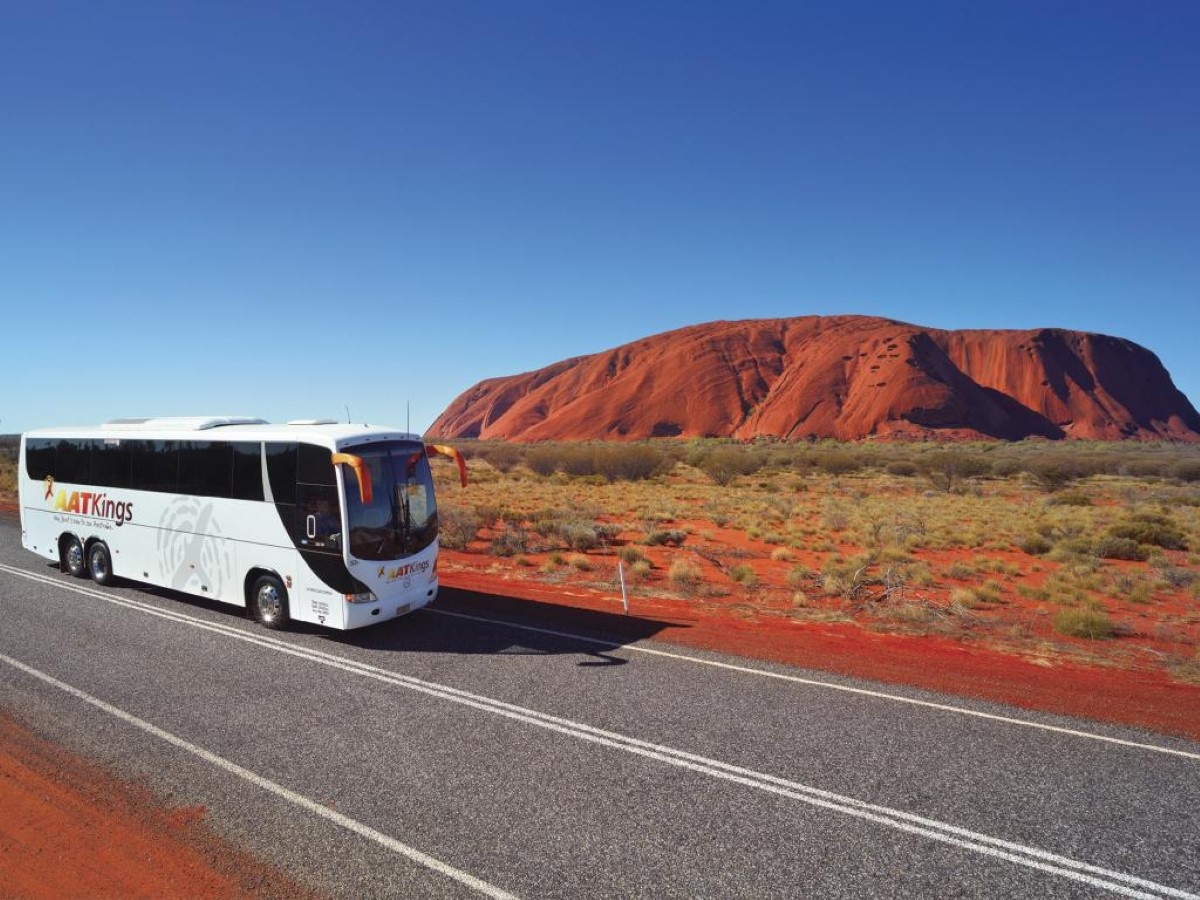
[(73, 463), (39, 458), (247, 471), (111, 460), (281, 470), (156, 466), (205, 468)]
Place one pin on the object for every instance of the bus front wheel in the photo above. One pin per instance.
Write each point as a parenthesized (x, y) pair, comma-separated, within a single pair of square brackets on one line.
[(71, 554), (100, 564), (268, 602)]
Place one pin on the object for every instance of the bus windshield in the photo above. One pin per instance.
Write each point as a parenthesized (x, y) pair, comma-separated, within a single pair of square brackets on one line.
[(401, 518)]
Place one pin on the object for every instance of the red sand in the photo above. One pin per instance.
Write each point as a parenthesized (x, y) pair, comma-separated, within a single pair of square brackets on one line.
[(69, 829)]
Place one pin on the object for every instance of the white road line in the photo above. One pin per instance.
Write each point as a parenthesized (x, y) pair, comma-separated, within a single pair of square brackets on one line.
[(1030, 857), (390, 843), (814, 682)]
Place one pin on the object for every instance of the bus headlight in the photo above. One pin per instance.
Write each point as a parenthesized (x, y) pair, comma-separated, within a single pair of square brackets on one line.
[(364, 597)]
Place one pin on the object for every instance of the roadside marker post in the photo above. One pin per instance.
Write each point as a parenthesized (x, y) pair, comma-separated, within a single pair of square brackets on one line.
[(624, 593)]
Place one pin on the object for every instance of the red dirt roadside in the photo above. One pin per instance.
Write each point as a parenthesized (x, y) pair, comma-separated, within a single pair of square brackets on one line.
[(69, 829)]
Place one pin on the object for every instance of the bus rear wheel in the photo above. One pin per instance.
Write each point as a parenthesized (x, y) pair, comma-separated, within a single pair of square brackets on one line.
[(71, 554), (100, 564), (268, 602)]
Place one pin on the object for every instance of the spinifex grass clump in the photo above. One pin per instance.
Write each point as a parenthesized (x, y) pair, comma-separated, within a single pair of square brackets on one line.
[(1084, 622)]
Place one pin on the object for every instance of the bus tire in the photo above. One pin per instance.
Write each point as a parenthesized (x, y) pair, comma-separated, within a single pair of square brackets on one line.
[(268, 602), (100, 563), (71, 554)]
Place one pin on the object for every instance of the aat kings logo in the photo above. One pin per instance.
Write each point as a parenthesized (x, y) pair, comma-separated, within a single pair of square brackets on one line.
[(87, 503), (391, 574)]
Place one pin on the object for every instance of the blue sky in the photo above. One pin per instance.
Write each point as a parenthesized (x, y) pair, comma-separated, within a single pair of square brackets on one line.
[(287, 209)]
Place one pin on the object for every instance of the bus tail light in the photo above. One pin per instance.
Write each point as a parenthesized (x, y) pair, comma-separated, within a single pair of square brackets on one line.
[(364, 597)]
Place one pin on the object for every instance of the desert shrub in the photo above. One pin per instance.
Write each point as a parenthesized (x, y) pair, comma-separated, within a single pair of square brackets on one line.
[(959, 570), (639, 570), (579, 460), (743, 574), (580, 536), (1073, 497), (1093, 624), (630, 555), (630, 462), (666, 538), (903, 468), (798, 575), (837, 462), (725, 464), (579, 562), (834, 515), (1035, 545), (457, 527), (1151, 528), (948, 469), (509, 542), (1142, 467), (1121, 548), (490, 514), (503, 457), (1054, 474), (1005, 467), (542, 460), (1187, 470), (1176, 576), (1072, 549), (684, 575)]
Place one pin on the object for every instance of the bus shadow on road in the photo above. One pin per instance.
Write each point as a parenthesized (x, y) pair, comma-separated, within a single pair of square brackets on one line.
[(471, 622)]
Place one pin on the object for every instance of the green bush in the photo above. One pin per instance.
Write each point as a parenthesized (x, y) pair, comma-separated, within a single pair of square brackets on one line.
[(725, 464), (743, 574), (1054, 474), (1035, 545), (630, 462), (1093, 624), (1121, 548), (947, 469), (630, 555), (1187, 470), (580, 536), (457, 527), (666, 538), (542, 460), (684, 575), (837, 462), (503, 458), (509, 542), (1151, 528)]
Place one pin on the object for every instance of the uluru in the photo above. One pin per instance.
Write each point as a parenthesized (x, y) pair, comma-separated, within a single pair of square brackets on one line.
[(844, 377)]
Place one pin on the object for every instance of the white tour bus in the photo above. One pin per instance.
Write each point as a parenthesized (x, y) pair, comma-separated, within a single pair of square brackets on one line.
[(315, 521)]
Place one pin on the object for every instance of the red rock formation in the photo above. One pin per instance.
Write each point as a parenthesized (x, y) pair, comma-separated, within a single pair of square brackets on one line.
[(845, 377)]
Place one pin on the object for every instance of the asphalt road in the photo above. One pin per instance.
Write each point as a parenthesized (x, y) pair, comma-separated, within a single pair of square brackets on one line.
[(450, 754)]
